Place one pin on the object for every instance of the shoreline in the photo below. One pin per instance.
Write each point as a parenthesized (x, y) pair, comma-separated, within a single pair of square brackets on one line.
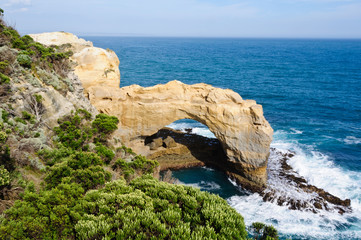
[(184, 157)]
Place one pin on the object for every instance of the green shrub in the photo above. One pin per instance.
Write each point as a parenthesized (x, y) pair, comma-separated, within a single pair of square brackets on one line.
[(156, 210), (84, 168), (27, 39), (28, 52), (29, 117), (5, 116), (262, 231), (12, 33), (4, 176), (105, 153), (140, 165), (105, 124), (4, 78), (44, 215), (17, 119), (24, 60), (73, 132), (4, 65), (18, 43)]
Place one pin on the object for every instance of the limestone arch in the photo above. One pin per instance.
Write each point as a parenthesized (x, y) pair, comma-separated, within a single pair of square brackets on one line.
[(238, 124)]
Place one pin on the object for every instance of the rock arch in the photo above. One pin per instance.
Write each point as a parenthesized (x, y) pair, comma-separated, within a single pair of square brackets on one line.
[(238, 124)]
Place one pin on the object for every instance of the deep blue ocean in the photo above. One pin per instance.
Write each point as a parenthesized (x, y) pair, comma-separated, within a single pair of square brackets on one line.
[(310, 91)]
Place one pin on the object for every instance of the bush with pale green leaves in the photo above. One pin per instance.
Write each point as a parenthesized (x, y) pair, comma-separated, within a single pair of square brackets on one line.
[(143, 209), (4, 176)]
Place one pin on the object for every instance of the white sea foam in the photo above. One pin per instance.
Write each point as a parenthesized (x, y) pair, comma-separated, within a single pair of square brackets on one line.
[(207, 186), (197, 128), (352, 140), (295, 131), (319, 170)]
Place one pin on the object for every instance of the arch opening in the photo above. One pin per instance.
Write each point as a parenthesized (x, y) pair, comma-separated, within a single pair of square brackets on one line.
[(185, 143)]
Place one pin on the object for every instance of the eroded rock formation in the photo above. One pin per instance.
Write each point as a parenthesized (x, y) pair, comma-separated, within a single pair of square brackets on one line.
[(238, 124), (95, 66)]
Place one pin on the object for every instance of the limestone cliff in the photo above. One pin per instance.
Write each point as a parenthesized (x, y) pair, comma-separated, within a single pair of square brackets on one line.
[(94, 66), (238, 124)]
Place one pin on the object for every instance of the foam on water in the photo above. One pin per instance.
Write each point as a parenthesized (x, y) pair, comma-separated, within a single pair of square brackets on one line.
[(197, 128), (320, 171), (205, 186), (352, 140)]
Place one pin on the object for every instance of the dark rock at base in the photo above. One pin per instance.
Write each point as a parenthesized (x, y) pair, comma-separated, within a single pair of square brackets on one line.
[(188, 130), (320, 200)]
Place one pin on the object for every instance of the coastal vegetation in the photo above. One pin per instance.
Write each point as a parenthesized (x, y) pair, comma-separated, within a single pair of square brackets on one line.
[(70, 181), (78, 198)]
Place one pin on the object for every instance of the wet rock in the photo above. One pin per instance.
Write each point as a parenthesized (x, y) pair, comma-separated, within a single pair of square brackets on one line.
[(316, 199)]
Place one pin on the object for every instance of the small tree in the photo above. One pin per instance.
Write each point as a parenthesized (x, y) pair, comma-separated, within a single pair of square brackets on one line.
[(1, 12)]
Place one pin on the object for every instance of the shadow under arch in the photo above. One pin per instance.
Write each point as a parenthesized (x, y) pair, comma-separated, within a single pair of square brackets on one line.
[(239, 125), (196, 146)]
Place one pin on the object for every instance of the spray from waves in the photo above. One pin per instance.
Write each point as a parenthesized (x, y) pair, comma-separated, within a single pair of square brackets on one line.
[(318, 170)]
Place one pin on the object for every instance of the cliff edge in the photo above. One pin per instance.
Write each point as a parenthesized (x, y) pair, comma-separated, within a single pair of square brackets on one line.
[(94, 66), (238, 124)]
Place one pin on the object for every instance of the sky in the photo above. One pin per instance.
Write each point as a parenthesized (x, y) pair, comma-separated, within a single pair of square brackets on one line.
[(188, 18)]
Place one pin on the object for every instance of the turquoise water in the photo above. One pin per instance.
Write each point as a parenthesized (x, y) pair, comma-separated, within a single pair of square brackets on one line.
[(311, 94)]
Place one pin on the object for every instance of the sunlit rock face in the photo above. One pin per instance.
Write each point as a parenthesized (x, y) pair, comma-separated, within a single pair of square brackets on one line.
[(94, 66), (238, 124)]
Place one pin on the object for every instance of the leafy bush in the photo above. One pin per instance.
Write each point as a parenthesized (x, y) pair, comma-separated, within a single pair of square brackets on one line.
[(140, 165), (3, 137), (73, 132), (44, 215), (146, 209), (4, 65), (17, 119), (4, 78), (262, 231), (4, 176), (105, 124), (29, 117), (24, 60), (150, 209), (5, 116), (105, 153), (84, 168)]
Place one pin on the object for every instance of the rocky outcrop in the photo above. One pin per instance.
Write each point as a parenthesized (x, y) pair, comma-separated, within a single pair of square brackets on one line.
[(95, 66), (239, 124)]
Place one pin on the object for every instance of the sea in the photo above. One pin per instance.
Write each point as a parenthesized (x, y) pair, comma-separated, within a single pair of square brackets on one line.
[(310, 90)]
